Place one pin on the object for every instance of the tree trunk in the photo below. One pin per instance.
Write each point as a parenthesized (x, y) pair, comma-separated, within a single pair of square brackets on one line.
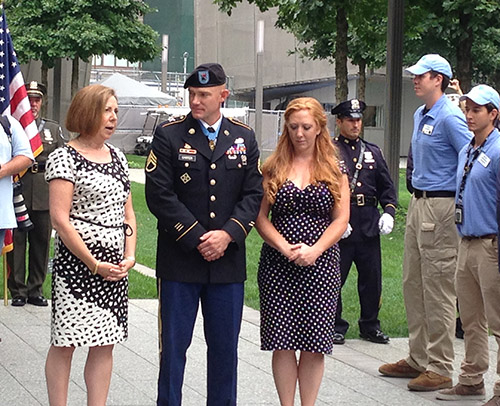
[(75, 72), (361, 93), (464, 52), (44, 74), (341, 56), (362, 81)]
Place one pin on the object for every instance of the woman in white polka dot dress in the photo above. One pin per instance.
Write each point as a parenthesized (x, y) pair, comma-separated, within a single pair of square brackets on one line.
[(307, 192), (91, 210)]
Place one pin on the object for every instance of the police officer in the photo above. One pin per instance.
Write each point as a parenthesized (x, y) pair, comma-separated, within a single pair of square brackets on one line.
[(204, 186), (370, 185), (36, 195)]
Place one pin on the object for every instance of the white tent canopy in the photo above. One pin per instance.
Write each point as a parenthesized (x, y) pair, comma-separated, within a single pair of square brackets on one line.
[(134, 99), (130, 92)]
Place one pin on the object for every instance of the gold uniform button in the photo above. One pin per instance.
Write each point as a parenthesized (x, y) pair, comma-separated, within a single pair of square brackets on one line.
[(212, 215), (213, 166), (355, 159), (213, 182), (239, 165), (358, 184), (186, 164), (213, 198)]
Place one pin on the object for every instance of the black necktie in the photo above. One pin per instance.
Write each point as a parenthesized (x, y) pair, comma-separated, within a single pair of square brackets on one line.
[(210, 129)]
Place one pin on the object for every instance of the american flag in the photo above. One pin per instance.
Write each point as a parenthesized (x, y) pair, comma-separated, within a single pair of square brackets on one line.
[(13, 97)]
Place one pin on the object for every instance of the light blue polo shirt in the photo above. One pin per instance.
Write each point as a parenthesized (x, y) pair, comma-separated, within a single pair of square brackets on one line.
[(479, 197), (20, 146), (438, 136)]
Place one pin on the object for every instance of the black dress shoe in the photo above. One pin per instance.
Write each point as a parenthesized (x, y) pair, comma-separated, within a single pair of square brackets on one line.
[(338, 338), (18, 301), (375, 336), (38, 301)]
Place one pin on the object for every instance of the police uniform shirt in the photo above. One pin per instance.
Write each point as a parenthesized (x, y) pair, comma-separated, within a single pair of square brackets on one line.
[(479, 197), (373, 180), (191, 190), (35, 188), (438, 136)]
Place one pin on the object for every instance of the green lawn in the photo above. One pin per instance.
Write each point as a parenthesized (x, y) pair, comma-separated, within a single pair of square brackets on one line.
[(392, 314)]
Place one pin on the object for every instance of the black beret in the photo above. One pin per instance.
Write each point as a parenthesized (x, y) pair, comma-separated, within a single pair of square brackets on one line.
[(351, 108), (206, 75), (35, 88)]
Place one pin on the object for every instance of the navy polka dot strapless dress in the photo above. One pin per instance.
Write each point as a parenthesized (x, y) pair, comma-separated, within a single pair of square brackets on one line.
[(297, 304)]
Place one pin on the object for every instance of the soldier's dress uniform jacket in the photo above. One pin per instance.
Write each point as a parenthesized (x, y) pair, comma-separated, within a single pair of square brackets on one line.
[(373, 187), (36, 195), (192, 189)]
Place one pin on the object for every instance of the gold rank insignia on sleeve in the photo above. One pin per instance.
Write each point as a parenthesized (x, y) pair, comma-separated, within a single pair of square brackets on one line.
[(151, 162)]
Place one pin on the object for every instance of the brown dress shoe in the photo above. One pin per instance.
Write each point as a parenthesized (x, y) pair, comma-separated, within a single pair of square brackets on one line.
[(400, 369), (428, 381), (463, 392), (494, 401)]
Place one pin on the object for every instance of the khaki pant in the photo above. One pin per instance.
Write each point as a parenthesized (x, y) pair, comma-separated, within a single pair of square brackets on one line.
[(478, 291), (431, 243)]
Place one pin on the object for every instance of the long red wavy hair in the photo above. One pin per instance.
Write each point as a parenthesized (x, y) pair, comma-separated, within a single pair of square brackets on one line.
[(325, 165)]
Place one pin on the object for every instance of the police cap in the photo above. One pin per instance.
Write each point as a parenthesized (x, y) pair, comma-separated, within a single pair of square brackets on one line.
[(206, 75), (351, 108), (35, 88)]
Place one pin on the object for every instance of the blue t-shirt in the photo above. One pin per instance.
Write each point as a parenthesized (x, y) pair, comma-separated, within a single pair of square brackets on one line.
[(438, 136), (20, 146), (479, 196)]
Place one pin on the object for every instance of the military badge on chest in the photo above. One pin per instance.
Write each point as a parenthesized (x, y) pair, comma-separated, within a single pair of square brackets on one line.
[(238, 149), (47, 135)]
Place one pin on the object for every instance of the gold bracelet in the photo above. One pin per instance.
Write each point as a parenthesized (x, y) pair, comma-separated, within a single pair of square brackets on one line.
[(96, 268)]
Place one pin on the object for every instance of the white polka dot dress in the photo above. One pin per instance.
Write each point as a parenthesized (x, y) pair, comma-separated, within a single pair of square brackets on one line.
[(297, 304), (86, 309)]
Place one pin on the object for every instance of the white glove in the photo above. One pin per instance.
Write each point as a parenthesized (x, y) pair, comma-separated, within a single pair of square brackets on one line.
[(347, 231), (385, 224)]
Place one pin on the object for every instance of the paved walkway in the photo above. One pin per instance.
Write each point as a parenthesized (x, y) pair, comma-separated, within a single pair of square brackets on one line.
[(351, 376)]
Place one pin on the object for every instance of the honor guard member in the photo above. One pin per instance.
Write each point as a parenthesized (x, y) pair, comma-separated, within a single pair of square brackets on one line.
[(431, 238), (370, 185), (204, 186), (36, 195), (477, 278)]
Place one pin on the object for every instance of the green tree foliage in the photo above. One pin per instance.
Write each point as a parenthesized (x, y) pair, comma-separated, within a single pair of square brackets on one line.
[(78, 29), (331, 29), (463, 31), (466, 32)]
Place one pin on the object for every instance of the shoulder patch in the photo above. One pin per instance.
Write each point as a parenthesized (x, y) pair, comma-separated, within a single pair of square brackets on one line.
[(237, 122), (175, 120)]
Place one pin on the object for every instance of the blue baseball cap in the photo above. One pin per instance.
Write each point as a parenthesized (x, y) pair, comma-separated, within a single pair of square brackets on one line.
[(482, 95), (430, 62)]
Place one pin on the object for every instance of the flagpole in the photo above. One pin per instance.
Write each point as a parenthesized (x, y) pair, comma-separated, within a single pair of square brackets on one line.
[(5, 293)]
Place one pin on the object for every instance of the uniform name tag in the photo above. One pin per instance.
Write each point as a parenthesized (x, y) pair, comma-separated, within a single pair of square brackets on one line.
[(187, 158), (427, 129), (483, 159)]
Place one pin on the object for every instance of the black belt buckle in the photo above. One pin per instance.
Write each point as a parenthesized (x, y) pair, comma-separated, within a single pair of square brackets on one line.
[(34, 167), (360, 200)]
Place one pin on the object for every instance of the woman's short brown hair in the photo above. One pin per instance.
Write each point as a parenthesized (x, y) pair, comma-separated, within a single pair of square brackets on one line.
[(86, 109)]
